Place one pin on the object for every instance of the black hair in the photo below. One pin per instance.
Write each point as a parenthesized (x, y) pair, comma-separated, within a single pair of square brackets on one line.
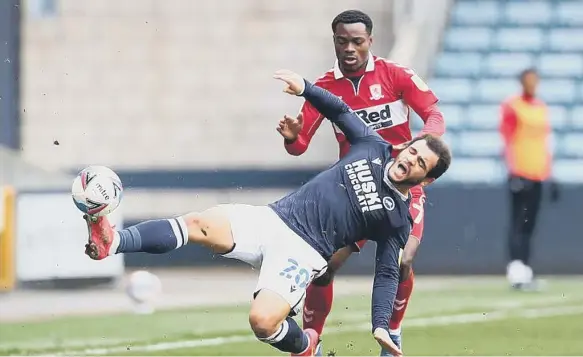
[(353, 17), (440, 148), (526, 72)]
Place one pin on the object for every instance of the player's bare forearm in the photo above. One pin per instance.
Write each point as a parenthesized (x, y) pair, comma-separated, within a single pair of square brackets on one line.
[(335, 263), (333, 108), (407, 257)]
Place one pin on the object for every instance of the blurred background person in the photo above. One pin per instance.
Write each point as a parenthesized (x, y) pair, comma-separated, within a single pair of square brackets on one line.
[(525, 129)]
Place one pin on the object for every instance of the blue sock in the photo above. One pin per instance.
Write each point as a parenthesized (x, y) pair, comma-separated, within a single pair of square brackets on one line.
[(155, 237), (289, 337)]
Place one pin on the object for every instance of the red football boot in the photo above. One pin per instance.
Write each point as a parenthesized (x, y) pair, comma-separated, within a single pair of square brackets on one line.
[(100, 237), (314, 343)]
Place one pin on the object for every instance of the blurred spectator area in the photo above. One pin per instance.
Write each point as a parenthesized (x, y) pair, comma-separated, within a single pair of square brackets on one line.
[(173, 83), (484, 49)]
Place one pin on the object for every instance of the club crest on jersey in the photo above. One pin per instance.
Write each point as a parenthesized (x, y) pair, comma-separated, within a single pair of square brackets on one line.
[(376, 92), (389, 203), (361, 179)]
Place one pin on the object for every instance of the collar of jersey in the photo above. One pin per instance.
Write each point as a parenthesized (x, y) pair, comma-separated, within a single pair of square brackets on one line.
[(389, 183), (369, 67)]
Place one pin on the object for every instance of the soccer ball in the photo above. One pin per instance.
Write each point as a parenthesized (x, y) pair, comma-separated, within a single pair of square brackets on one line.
[(143, 288), (97, 190)]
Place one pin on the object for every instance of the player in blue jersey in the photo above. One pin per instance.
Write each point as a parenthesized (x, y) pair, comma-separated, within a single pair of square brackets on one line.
[(365, 194)]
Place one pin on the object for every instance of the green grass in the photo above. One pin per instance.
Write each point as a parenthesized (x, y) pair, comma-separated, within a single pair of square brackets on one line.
[(469, 319)]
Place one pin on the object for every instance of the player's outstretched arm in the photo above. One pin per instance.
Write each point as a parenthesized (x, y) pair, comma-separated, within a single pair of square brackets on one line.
[(327, 104), (386, 282)]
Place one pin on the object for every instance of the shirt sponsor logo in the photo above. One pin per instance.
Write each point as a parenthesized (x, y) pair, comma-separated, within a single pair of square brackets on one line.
[(361, 179)]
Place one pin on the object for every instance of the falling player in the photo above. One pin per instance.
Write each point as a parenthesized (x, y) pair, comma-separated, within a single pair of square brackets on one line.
[(292, 239), (380, 92)]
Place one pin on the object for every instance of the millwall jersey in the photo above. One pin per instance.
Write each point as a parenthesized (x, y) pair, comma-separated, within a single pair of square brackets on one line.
[(352, 199)]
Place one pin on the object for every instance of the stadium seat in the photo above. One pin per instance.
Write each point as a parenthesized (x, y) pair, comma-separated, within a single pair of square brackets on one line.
[(507, 64), (480, 143), (570, 145), (415, 122), (561, 65), (473, 170), (566, 40), (527, 13), (577, 117), (519, 39), (557, 91), (483, 116), (475, 13), (558, 117), (458, 64), (495, 91), (568, 170), (452, 90), (454, 115), (451, 138), (468, 38), (570, 13), (554, 144)]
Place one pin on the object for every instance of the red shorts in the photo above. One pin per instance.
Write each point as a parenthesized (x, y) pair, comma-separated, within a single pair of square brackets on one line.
[(417, 210)]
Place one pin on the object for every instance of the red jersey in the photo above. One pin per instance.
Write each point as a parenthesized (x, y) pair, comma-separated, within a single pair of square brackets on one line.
[(381, 97)]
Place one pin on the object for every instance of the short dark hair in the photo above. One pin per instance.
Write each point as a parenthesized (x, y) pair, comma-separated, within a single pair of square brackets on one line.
[(440, 148), (526, 72), (352, 17)]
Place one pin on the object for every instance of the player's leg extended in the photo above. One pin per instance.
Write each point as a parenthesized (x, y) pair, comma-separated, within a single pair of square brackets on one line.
[(407, 277), (289, 265), (210, 228)]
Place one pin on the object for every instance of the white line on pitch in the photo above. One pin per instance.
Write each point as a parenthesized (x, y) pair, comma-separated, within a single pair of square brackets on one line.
[(415, 322)]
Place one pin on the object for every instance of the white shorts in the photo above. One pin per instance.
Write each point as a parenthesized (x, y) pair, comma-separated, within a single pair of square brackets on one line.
[(287, 263)]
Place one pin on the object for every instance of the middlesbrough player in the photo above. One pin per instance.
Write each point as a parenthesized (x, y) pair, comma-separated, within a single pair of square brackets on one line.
[(381, 93)]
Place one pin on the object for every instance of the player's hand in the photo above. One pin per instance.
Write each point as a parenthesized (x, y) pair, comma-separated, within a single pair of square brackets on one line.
[(383, 338), (295, 82), (290, 127)]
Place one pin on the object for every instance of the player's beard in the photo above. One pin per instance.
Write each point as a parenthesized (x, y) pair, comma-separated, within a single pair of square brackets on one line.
[(407, 182)]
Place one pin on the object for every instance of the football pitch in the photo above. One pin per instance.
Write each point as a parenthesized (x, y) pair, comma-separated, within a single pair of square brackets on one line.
[(467, 317)]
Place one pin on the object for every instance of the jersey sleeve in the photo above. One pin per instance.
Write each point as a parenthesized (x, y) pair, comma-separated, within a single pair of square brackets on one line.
[(337, 112), (420, 98), (312, 120), (386, 281), (507, 128)]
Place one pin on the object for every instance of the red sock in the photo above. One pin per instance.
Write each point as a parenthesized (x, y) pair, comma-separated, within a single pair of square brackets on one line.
[(401, 301), (317, 306)]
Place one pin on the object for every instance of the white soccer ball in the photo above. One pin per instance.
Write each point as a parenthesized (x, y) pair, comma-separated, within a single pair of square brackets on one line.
[(97, 191), (143, 288)]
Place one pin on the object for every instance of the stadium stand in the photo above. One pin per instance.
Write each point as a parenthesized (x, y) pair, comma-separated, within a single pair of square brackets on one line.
[(483, 50), (180, 76)]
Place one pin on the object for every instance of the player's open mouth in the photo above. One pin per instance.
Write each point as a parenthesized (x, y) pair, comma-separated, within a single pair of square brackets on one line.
[(350, 60), (402, 169)]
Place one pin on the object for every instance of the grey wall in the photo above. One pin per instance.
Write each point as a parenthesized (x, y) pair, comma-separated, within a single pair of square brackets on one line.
[(9, 68), (465, 233)]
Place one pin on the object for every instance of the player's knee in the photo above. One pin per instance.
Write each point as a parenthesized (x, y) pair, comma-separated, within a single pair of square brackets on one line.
[(263, 323)]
